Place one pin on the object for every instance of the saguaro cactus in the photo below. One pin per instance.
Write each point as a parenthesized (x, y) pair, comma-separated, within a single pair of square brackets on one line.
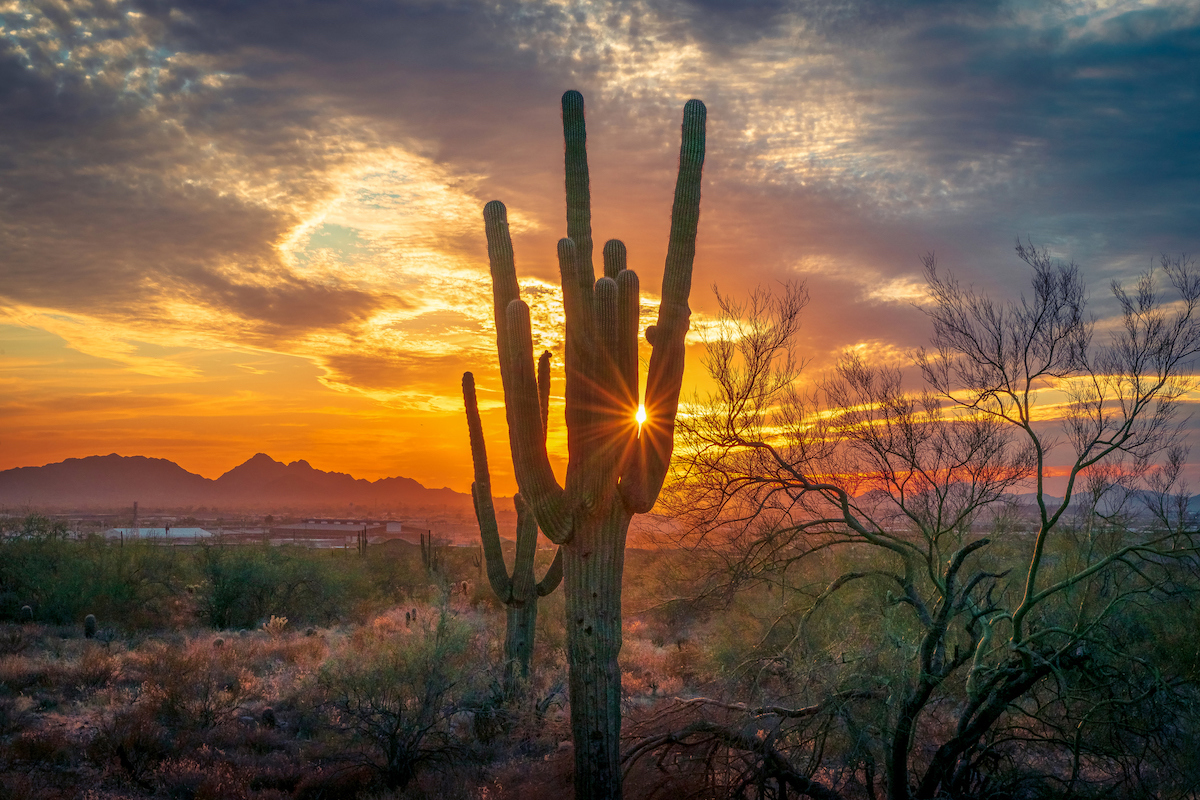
[(518, 592), (430, 555), (614, 469)]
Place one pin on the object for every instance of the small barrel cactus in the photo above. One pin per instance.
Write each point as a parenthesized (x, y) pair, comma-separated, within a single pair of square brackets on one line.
[(89, 626), (26, 614), (218, 643)]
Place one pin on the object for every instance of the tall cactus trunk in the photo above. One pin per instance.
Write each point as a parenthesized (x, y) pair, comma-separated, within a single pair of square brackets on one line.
[(517, 591), (614, 470), (592, 572), (518, 645)]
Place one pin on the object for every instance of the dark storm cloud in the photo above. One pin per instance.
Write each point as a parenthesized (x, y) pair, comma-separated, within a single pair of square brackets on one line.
[(976, 123), (722, 24), (1100, 122), (434, 66)]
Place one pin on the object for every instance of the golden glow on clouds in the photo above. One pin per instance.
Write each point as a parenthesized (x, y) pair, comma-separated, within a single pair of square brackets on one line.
[(356, 207), (879, 353), (904, 289)]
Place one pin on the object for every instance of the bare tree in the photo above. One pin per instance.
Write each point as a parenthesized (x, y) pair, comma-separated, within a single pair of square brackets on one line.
[(993, 628)]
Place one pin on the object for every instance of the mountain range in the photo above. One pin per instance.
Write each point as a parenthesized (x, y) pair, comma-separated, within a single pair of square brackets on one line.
[(262, 483)]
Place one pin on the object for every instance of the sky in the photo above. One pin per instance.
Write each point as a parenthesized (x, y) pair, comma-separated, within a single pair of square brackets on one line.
[(232, 227)]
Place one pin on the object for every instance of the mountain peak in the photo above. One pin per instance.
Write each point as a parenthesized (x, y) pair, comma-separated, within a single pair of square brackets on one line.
[(259, 482), (260, 467)]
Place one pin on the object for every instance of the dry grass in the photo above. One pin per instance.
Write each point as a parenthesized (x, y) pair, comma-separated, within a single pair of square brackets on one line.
[(193, 713)]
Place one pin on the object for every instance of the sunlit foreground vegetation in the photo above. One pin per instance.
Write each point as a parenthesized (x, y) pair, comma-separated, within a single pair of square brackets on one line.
[(255, 672), (252, 671)]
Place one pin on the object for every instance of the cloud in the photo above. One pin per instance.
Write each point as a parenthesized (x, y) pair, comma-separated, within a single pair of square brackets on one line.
[(305, 178)]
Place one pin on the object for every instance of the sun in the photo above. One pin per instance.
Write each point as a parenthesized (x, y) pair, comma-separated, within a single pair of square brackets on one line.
[(641, 415)]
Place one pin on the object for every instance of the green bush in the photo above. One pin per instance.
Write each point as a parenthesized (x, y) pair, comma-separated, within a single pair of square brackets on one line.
[(398, 694), (62, 579), (246, 584)]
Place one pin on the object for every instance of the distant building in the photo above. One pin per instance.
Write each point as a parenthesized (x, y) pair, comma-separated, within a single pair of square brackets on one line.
[(326, 533), (170, 533), (323, 528)]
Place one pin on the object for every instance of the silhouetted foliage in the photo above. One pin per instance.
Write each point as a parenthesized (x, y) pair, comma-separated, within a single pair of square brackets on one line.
[(938, 657)]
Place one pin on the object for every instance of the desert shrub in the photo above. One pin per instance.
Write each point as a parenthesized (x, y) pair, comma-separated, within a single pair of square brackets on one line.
[(62, 579), (21, 673), (141, 585), (193, 685), (40, 749), (199, 778), (14, 714), (34, 571), (14, 639), (131, 743), (392, 572), (522, 719), (343, 782), (78, 672), (398, 694), (274, 627), (248, 584)]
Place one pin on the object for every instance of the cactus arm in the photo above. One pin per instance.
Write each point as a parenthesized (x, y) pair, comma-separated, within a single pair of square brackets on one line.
[(527, 530), (622, 337), (504, 273), (481, 495), (614, 424), (534, 475), (607, 344), (579, 201), (504, 289), (578, 309), (614, 258), (606, 320), (580, 361), (553, 575), (685, 212), (628, 319), (647, 469), (578, 278), (543, 384)]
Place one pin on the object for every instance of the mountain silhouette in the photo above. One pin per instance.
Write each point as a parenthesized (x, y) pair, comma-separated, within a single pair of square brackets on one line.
[(261, 482)]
